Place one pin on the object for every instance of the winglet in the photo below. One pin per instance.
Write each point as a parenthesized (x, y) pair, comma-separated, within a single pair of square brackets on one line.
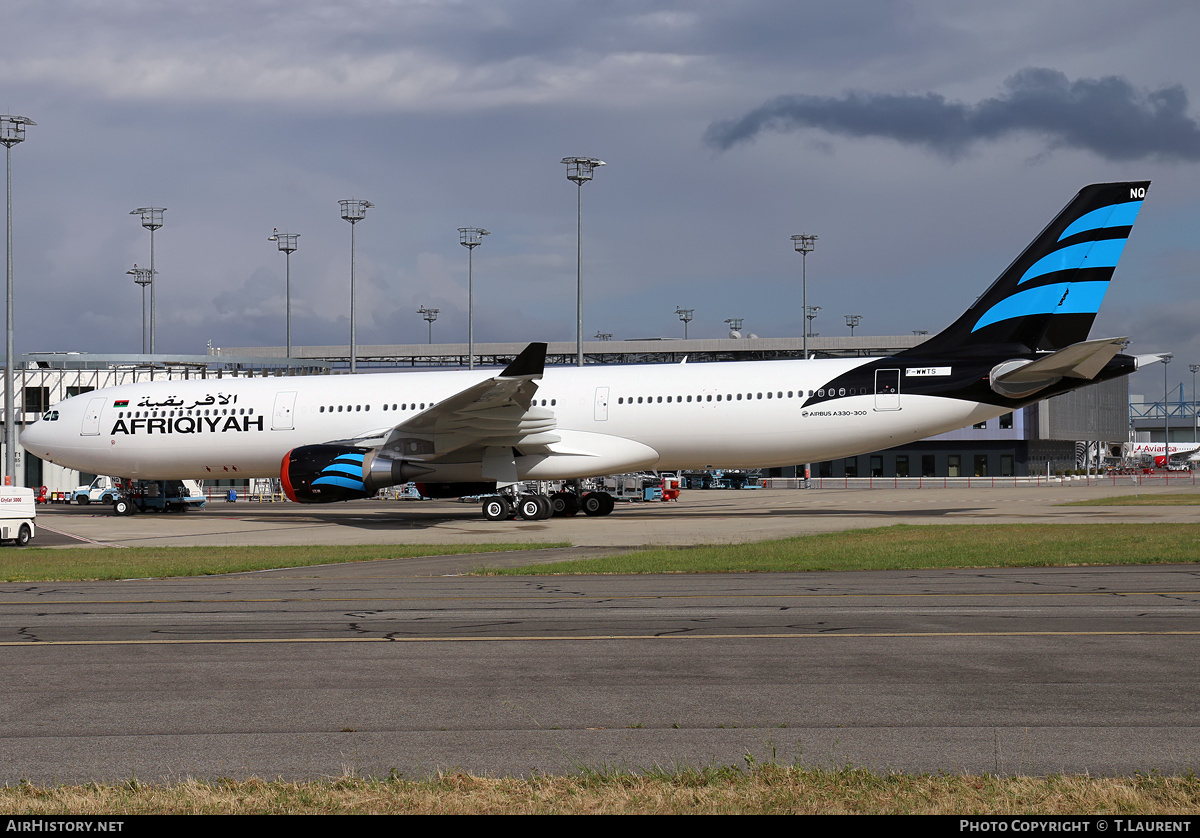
[(529, 364)]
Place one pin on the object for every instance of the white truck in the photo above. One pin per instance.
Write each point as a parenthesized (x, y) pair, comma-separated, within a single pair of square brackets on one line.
[(17, 513), (101, 490)]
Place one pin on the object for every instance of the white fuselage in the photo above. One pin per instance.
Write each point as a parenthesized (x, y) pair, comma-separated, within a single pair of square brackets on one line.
[(712, 415)]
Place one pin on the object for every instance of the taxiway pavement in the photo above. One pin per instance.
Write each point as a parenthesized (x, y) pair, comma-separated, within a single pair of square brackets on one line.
[(403, 666)]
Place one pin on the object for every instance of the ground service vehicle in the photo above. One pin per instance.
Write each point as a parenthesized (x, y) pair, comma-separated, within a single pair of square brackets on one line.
[(17, 514)]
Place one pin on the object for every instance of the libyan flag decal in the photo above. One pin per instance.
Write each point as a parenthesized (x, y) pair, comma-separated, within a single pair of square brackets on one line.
[(121, 403)]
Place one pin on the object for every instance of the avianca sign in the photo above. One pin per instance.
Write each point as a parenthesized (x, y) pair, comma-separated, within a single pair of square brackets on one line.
[(189, 425)]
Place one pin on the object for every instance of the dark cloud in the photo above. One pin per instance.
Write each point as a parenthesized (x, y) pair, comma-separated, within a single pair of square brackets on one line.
[(1107, 116)]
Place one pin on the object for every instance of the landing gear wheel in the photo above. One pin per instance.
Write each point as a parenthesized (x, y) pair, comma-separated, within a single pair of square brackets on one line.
[(593, 504), (495, 509), (546, 507), (529, 508), (564, 504), (598, 503), (608, 501)]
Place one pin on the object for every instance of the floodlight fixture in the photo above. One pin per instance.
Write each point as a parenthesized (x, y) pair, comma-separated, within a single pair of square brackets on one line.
[(430, 314), (142, 277), (579, 172), (685, 314), (287, 245), (580, 169), (804, 244), (152, 219), (1195, 419), (853, 320), (471, 238), (811, 313), (1166, 359), (354, 210), (12, 132)]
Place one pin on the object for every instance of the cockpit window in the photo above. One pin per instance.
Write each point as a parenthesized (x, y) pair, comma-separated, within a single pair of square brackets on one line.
[(50, 416)]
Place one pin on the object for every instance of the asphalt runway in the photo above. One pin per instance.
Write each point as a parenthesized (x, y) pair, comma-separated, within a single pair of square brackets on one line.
[(404, 666), (700, 517)]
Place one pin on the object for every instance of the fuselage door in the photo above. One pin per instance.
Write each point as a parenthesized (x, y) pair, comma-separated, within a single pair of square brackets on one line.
[(601, 404), (887, 389), (91, 417), (285, 406)]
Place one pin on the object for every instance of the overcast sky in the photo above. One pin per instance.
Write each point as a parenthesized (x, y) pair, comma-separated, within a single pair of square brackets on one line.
[(924, 142)]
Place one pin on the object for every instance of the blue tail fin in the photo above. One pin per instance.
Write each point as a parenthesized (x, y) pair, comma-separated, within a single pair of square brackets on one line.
[(1047, 299)]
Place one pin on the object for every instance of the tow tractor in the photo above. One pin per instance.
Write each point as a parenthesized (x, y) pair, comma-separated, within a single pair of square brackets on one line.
[(160, 495)]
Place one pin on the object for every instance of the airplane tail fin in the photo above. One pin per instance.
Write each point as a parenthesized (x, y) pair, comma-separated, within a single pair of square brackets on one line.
[(1047, 299)]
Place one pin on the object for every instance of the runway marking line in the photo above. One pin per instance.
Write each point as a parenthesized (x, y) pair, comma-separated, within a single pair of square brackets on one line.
[(595, 637), (80, 537)]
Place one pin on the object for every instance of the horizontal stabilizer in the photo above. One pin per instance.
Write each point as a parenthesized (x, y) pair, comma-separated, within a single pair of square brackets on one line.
[(1085, 360), (1155, 358)]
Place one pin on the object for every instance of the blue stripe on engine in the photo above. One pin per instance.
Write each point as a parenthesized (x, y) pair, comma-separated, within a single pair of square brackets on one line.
[(1118, 215), (1060, 298), (343, 468), (344, 482), (1100, 254), (353, 458)]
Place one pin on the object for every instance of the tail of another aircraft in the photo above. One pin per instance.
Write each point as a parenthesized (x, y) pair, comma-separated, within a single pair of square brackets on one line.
[(1047, 299)]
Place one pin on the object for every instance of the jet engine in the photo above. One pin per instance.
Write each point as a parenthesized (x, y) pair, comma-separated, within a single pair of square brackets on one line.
[(329, 473)]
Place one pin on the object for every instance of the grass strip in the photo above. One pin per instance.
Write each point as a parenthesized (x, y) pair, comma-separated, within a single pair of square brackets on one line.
[(45, 564), (907, 546), (1189, 499), (756, 789)]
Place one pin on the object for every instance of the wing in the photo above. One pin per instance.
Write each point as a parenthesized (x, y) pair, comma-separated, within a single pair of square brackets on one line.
[(494, 414)]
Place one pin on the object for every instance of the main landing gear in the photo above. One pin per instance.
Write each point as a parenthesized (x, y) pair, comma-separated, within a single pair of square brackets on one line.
[(536, 507)]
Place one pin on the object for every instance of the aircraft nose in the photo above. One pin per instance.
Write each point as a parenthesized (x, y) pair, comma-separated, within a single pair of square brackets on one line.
[(37, 437)]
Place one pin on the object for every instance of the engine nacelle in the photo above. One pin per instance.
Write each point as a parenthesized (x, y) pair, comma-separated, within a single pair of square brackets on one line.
[(329, 473)]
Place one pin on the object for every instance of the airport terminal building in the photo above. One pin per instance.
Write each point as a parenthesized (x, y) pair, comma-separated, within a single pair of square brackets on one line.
[(1047, 436)]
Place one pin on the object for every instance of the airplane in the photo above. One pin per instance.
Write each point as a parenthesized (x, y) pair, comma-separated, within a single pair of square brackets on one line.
[(475, 432), (1155, 450)]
